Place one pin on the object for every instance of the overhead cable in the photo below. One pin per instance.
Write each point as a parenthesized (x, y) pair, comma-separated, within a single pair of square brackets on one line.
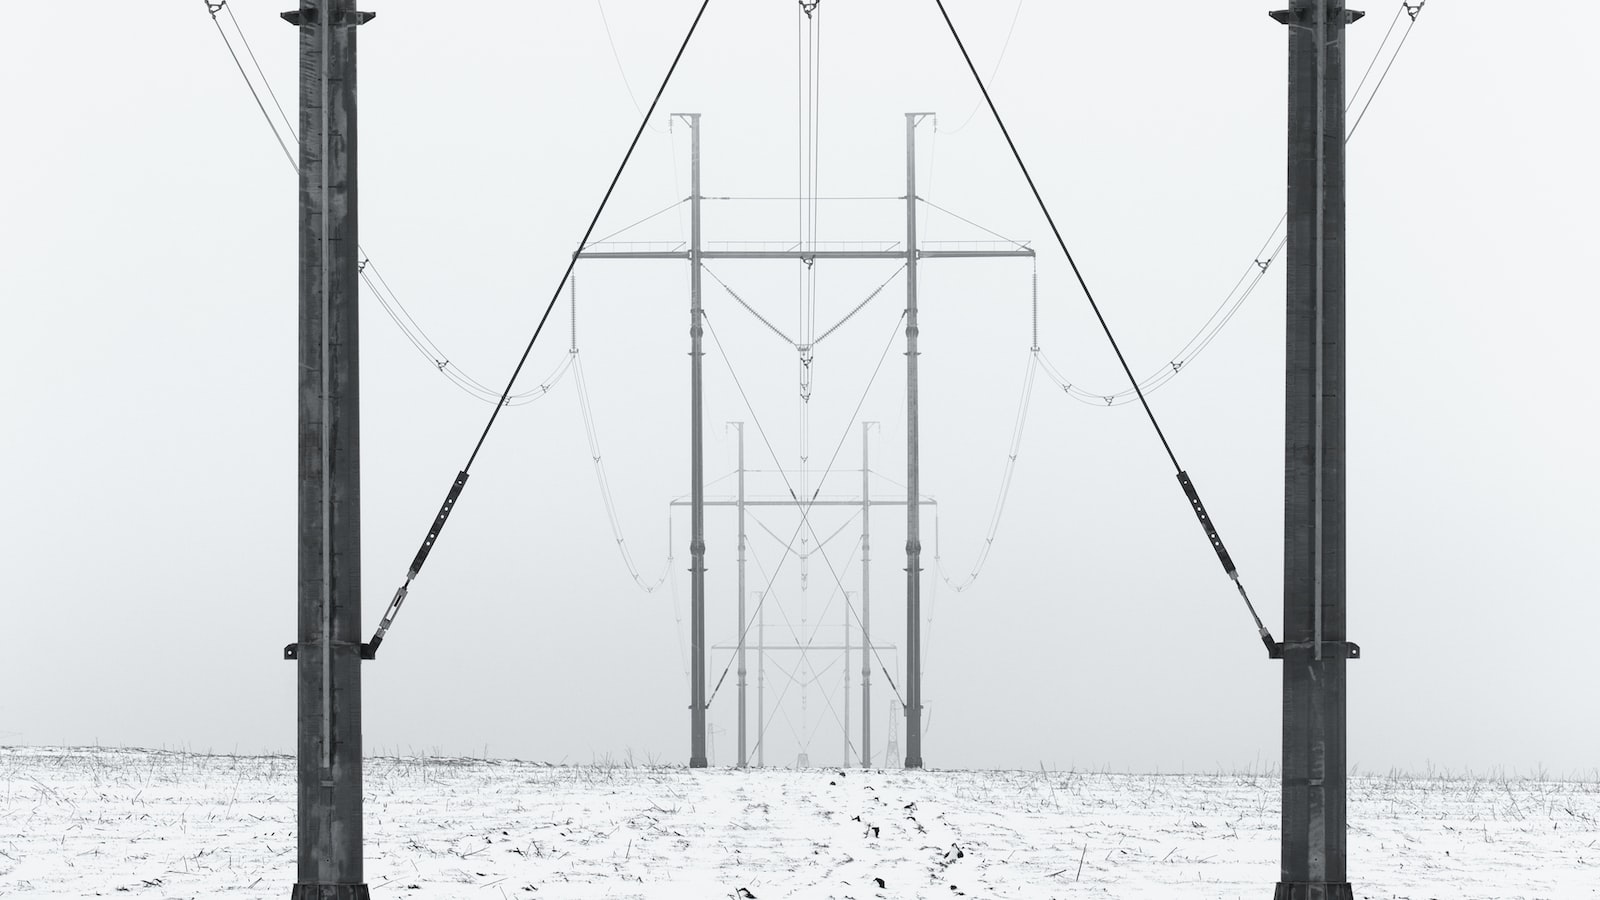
[(213, 9), (1183, 477), (621, 70), (461, 477), (606, 497), (1018, 423), (1004, 45), (1257, 268), (397, 312), (1411, 9), (802, 504)]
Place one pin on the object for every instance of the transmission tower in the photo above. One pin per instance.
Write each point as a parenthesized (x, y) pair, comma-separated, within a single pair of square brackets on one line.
[(911, 253), (893, 751)]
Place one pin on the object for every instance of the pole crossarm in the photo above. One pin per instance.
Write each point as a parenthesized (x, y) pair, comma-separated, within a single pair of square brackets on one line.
[(806, 647), (908, 251), (899, 501), (807, 255)]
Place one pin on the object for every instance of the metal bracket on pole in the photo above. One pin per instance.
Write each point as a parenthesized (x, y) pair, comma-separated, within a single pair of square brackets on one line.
[(308, 15), (292, 651), (1293, 16), (1330, 649)]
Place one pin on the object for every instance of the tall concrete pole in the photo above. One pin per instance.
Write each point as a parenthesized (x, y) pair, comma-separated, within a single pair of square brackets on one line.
[(744, 756), (328, 649), (1315, 649), (697, 487), (866, 605), (913, 469)]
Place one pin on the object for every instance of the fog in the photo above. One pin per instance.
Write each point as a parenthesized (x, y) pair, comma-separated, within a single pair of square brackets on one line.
[(149, 278)]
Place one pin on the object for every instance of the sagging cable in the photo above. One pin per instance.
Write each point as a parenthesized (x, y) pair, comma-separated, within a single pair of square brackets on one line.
[(370, 651), (1183, 477)]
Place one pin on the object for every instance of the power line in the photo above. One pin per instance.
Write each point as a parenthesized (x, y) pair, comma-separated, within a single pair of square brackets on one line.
[(797, 199), (1021, 245), (1374, 61), (629, 227), (1005, 45), (430, 351), (214, 9), (1183, 478), (397, 312), (461, 478), (805, 648), (1018, 423), (1412, 11), (252, 53), (606, 497), (802, 505), (621, 70), (1255, 270), (677, 607), (1219, 319), (1060, 241)]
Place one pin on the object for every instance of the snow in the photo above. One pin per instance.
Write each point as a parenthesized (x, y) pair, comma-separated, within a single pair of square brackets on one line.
[(80, 822)]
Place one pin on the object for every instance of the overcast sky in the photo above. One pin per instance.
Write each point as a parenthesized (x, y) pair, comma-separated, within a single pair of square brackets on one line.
[(148, 222)]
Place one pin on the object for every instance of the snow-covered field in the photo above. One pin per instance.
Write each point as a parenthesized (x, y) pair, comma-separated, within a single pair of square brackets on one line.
[(87, 821)]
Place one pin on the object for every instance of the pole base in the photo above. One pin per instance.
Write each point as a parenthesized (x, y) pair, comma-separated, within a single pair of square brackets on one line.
[(1317, 890), (697, 762), (306, 891)]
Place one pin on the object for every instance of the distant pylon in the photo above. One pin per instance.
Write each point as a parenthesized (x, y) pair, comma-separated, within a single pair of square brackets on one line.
[(891, 756)]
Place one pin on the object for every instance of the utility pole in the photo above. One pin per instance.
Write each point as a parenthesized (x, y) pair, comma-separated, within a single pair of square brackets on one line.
[(744, 756), (845, 732), (1315, 649), (913, 468), (328, 649), (893, 749), (866, 605), (761, 681), (697, 487)]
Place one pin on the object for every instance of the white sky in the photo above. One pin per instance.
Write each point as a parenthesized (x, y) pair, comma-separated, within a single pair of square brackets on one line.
[(148, 275)]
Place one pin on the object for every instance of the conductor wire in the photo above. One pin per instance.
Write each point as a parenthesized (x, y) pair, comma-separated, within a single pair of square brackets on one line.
[(461, 477), (1183, 477)]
